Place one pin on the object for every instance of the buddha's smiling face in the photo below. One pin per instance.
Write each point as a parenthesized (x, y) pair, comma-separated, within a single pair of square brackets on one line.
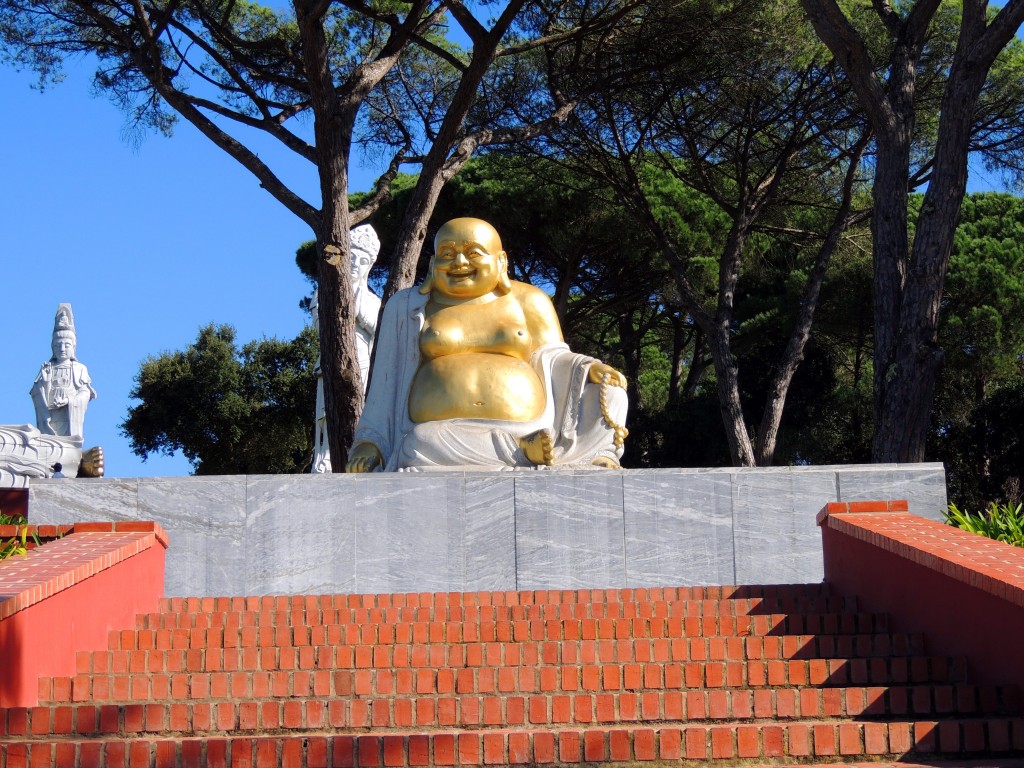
[(468, 259)]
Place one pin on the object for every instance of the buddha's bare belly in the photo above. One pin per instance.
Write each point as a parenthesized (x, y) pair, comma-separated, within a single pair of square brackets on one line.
[(476, 385)]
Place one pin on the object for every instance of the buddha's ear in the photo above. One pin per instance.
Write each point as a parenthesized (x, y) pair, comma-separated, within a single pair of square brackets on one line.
[(504, 283)]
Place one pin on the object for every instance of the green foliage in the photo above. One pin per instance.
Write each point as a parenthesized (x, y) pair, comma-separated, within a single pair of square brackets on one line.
[(655, 376), (984, 455), (1002, 522), (983, 329), (688, 433), (17, 544), (979, 401), (228, 410)]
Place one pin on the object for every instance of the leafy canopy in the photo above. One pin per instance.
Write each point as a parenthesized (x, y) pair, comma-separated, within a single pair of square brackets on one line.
[(228, 410)]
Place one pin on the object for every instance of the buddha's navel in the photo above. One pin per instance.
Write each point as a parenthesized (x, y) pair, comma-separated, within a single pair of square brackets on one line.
[(476, 385)]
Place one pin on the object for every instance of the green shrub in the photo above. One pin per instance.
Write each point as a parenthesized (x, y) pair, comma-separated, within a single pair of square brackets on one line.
[(17, 544), (1002, 522)]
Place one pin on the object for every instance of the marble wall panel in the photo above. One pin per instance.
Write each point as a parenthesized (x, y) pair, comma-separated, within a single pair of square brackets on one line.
[(570, 532), (205, 521), (489, 539), (776, 538), (300, 534), (59, 502), (469, 531), (678, 527), (409, 532), (923, 485)]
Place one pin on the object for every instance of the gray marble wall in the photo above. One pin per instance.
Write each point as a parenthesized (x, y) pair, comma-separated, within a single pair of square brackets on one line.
[(454, 531)]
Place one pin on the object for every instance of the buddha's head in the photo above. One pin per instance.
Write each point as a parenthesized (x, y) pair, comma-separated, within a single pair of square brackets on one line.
[(365, 247), (64, 339), (468, 261), (63, 346)]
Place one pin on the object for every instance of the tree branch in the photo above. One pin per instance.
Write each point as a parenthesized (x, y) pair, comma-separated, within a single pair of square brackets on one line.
[(850, 50)]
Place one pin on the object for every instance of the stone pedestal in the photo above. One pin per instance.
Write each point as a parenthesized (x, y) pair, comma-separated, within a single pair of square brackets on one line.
[(448, 531)]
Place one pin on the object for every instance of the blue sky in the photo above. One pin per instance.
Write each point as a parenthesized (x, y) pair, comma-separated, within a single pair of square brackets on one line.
[(147, 241)]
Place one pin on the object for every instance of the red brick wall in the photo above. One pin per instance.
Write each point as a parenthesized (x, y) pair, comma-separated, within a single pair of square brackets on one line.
[(965, 592)]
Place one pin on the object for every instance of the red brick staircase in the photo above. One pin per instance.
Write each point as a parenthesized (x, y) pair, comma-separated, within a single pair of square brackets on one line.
[(726, 675)]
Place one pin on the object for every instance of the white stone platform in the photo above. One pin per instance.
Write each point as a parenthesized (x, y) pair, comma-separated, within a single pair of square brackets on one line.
[(448, 531)]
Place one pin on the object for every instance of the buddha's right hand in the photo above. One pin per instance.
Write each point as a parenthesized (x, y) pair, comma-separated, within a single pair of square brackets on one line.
[(364, 457)]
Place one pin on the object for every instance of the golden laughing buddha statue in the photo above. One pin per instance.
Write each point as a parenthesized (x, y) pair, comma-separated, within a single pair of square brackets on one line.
[(472, 373)]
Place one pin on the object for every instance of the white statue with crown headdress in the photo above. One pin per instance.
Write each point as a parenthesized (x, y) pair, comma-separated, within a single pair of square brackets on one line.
[(365, 247), (60, 393), (63, 389)]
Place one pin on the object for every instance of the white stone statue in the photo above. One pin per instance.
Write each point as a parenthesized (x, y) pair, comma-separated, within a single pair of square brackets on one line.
[(471, 372), (26, 453), (63, 389), (61, 393), (365, 247)]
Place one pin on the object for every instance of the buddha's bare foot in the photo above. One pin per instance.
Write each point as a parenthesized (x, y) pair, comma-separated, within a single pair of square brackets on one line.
[(606, 463), (92, 463), (539, 448)]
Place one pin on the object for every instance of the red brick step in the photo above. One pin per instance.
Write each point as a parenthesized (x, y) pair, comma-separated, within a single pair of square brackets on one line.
[(591, 597), (784, 647), (184, 613), (334, 679), (665, 744), (264, 712)]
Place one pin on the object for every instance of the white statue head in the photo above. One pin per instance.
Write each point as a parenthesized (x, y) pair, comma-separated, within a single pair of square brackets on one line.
[(365, 247), (64, 340)]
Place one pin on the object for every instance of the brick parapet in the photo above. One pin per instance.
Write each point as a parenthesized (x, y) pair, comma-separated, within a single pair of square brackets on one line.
[(982, 563), (71, 555), (67, 595), (965, 592)]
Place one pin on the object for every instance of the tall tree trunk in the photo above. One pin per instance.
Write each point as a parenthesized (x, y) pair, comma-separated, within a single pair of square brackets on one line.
[(680, 340), (741, 450), (699, 365), (333, 125), (908, 285), (890, 256), (902, 417), (718, 328)]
